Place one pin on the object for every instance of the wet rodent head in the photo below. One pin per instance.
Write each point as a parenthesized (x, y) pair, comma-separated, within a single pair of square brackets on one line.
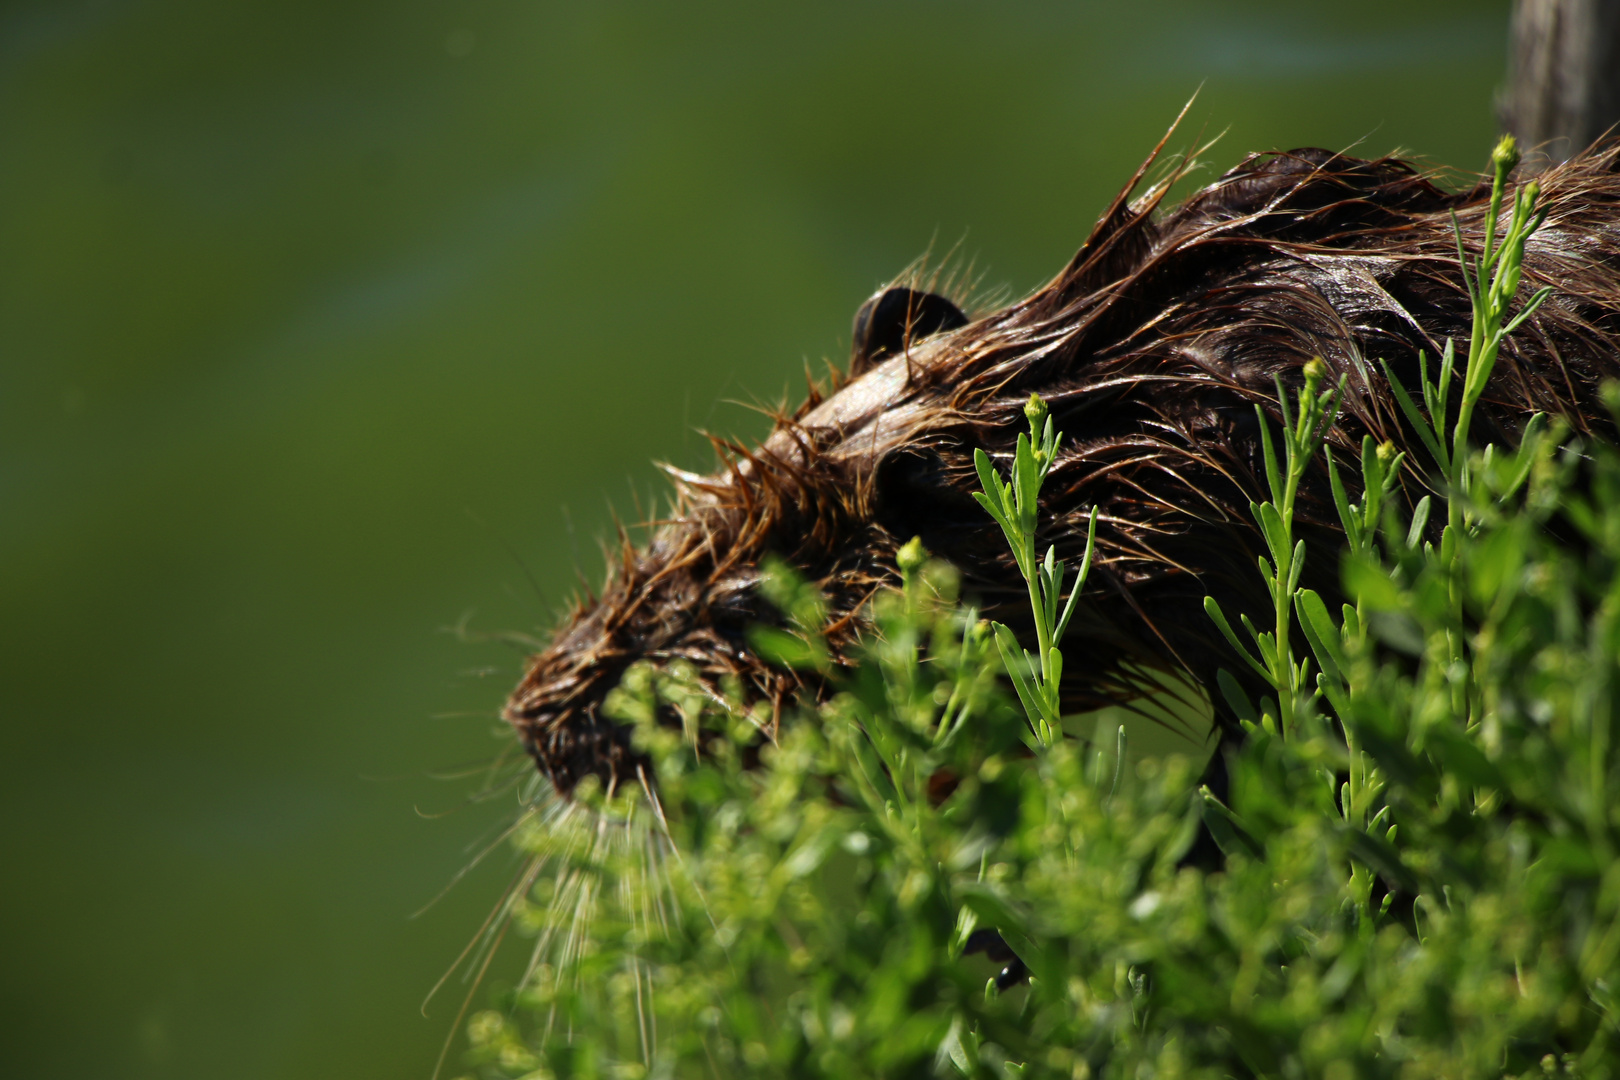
[(1152, 347)]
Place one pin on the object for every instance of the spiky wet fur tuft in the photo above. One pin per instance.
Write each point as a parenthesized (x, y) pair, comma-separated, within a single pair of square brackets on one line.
[(1151, 347)]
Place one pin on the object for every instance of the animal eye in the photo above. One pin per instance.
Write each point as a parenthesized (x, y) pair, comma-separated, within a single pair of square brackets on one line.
[(916, 492), (893, 319)]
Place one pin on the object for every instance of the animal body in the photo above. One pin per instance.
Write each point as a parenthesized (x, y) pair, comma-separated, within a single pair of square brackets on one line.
[(1151, 347)]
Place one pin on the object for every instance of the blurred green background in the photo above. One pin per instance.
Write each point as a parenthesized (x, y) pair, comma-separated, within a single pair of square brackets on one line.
[(321, 322)]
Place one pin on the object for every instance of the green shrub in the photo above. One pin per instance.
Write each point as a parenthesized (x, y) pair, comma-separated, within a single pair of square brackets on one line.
[(1418, 873)]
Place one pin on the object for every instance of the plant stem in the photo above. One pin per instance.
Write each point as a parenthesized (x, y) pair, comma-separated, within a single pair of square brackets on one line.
[(1015, 507)]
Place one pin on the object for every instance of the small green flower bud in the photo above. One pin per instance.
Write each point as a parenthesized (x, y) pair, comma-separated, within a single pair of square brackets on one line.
[(1315, 370), (911, 556), (1506, 155), (1035, 411), (1386, 452)]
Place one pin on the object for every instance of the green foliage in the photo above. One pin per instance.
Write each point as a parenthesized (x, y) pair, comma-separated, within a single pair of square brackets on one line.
[(1301, 439), (1418, 873), (1015, 507)]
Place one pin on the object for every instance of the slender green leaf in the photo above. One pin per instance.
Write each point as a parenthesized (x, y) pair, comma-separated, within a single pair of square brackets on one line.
[(1213, 610), (1320, 632), (1079, 580), (1236, 699), (1027, 477), (1231, 834), (1341, 501), (1269, 455), (1016, 663), (1420, 521), (1529, 309), (1276, 534), (1296, 566), (1419, 423)]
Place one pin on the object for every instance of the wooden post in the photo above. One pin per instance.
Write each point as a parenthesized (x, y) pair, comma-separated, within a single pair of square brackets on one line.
[(1563, 88)]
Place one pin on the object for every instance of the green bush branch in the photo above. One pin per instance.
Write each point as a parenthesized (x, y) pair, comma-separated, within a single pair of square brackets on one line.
[(1015, 505)]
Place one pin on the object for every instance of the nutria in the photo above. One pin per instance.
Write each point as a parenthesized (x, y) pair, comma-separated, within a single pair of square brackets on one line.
[(1152, 347)]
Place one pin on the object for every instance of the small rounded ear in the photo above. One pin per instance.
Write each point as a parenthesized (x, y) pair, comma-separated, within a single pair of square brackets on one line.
[(893, 319)]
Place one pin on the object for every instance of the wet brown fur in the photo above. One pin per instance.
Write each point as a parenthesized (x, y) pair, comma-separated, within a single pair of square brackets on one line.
[(1151, 347)]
